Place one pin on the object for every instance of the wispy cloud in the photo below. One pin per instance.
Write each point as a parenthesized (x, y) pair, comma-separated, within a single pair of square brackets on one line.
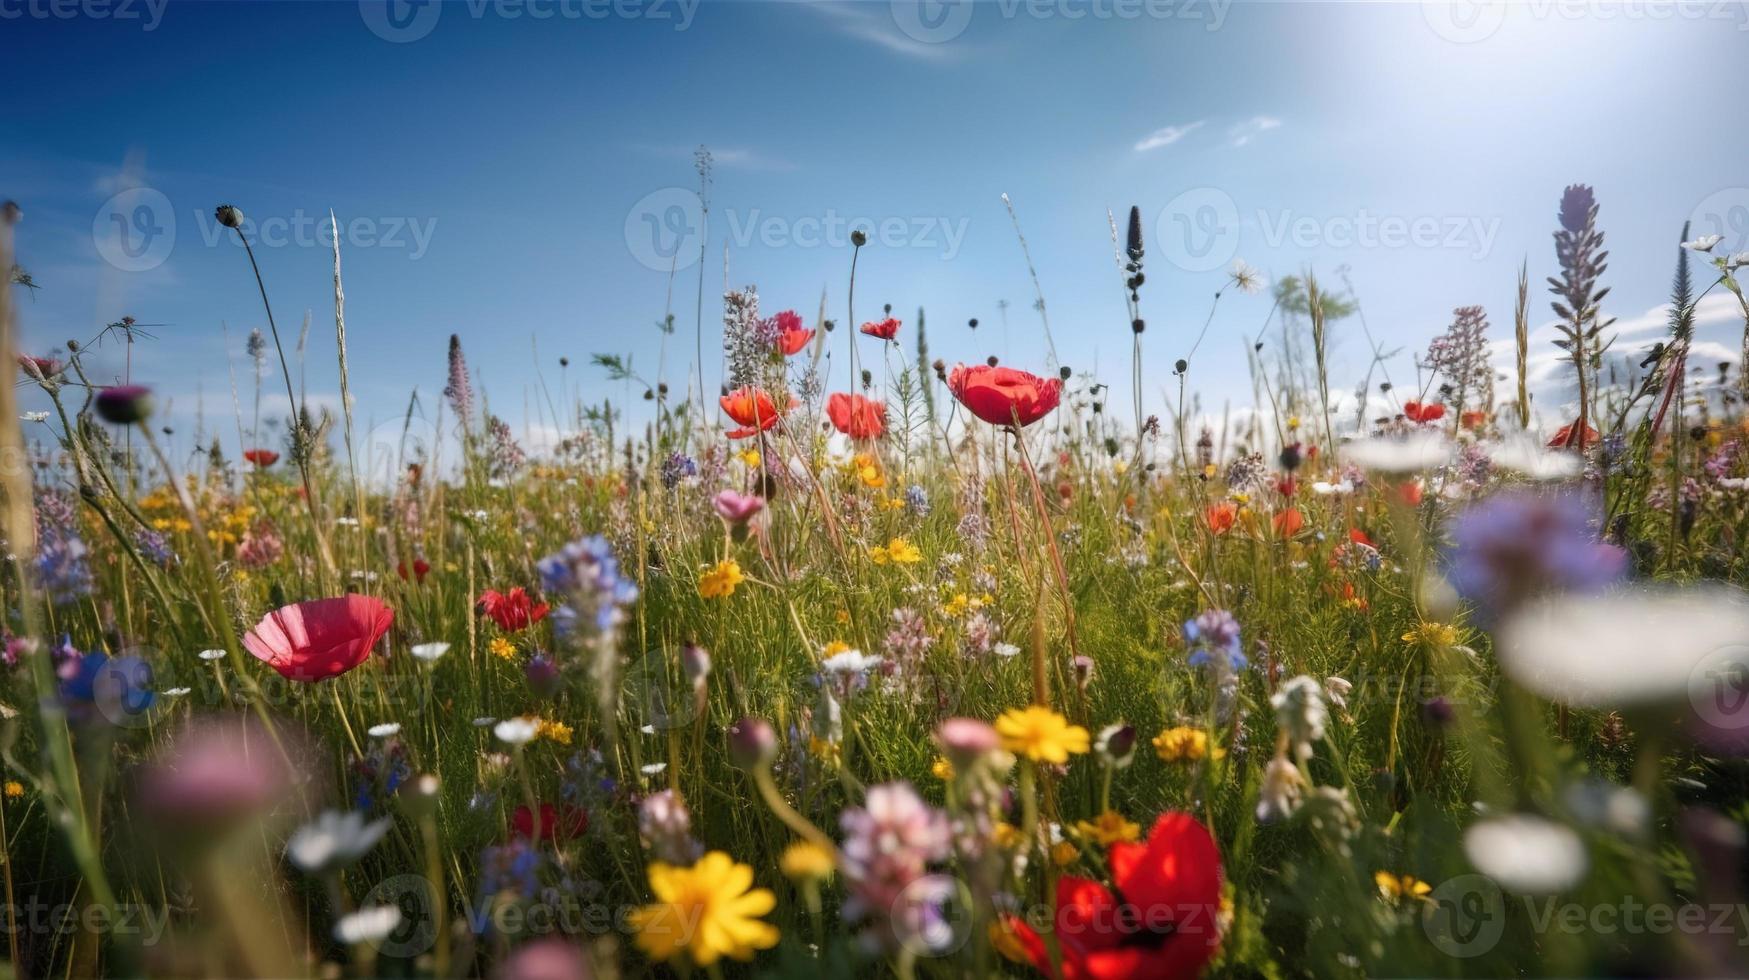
[(1244, 132), (727, 157), (1166, 136), (873, 23)]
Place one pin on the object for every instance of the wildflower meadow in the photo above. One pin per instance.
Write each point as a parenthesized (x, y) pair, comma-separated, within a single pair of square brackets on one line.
[(802, 651)]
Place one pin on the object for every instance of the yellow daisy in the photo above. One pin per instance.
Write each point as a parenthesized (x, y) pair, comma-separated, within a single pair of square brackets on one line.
[(719, 582), (501, 648), (1109, 828), (1395, 888), (806, 861), (1040, 734), (708, 911), (1185, 744)]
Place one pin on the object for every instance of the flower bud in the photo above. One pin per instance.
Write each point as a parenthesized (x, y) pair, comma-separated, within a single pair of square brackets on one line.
[(125, 404), (752, 743), (543, 676), (419, 796), (1116, 745), (966, 740), (11, 213), (229, 216), (859, 238), (696, 662)]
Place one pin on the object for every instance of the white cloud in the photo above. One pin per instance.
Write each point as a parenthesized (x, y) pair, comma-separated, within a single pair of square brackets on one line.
[(1244, 132), (873, 23), (1166, 136)]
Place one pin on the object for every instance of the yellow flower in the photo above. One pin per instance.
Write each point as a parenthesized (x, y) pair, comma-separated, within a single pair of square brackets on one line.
[(749, 458), (806, 861), (500, 647), (842, 616), (1109, 828), (942, 770), (833, 649), (1064, 853), (708, 911), (898, 551), (956, 606), (1120, 467), (1007, 836), (14, 789), (1432, 635), (1041, 734), (1184, 744), (1293, 422), (557, 731), (720, 581), (823, 748), (1007, 943), (1395, 888)]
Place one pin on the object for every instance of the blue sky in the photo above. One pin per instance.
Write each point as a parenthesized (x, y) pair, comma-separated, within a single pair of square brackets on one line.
[(498, 174)]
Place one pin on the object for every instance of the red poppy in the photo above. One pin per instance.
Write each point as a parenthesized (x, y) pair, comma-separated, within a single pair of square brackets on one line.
[(1473, 420), (323, 638), (1221, 516), (1358, 536), (885, 329), (1410, 492), (420, 568), (1001, 395), (1568, 437), (555, 823), (791, 335), (261, 457), (1423, 411), (512, 611), (857, 417), (1162, 923), (752, 409), (1288, 522)]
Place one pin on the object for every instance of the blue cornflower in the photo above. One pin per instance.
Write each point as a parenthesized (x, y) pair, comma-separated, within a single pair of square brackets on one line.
[(1515, 545), (917, 500), (677, 467), (587, 574), (1214, 633)]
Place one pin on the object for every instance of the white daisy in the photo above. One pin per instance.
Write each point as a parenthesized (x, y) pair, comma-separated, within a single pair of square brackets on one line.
[(1524, 455), (654, 769), (334, 840), (1635, 645), (1704, 243), (35, 417), (385, 730), (371, 925), (850, 663), (516, 731), (1410, 454), (177, 692), (1527, 854), (210, 655), (1325, 489), (429, 651), (485, 721), (1005, 650)]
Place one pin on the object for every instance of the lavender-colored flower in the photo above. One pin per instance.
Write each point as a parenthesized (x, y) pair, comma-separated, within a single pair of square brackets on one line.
[(587, 574), (154, 546), (677, 467), (889, 843), (61, 566), (503, 456), (979, 633), (1213, 637), (1515, 545), (909, 638), (665, 824), (917, 500), (459, 390)]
